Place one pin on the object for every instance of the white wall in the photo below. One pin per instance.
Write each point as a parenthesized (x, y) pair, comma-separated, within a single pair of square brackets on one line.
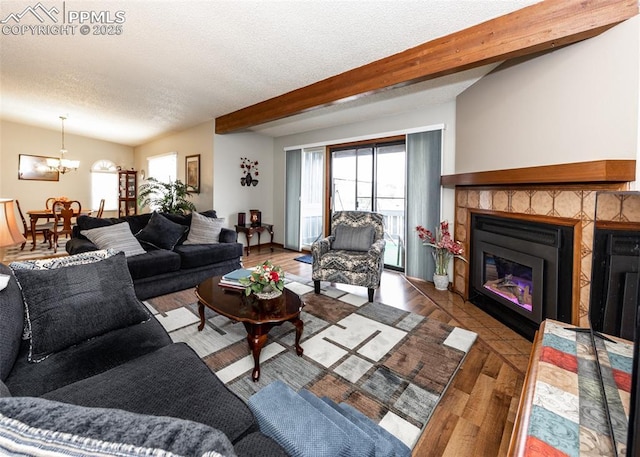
[(230, 197), (16, 139), (193, 141), (575, 104), (427, 116)]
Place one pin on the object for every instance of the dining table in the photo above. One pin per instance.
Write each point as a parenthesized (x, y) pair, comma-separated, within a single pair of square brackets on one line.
[(47, 214)]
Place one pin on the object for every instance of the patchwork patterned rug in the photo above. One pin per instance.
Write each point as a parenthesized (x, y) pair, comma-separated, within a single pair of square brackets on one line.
[(390, 364), (41, 251)]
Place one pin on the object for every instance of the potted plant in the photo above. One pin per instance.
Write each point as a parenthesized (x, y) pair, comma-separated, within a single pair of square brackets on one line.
[(166, 197), (444, 249)]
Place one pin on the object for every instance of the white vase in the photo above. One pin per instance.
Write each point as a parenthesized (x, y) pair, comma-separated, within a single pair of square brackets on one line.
[(268, 293), (441, 281)]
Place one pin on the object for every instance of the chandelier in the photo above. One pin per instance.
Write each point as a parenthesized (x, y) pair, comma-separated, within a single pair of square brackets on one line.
[(63, 165)]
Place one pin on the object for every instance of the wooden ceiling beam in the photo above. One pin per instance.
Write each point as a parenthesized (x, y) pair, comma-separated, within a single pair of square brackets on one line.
[(539, 27)]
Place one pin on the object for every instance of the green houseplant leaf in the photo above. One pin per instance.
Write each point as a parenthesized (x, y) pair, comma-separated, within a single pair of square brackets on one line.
[(166, 197)]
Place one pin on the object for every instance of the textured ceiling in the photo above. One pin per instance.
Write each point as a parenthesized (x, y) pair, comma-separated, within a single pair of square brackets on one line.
[(180, 63)]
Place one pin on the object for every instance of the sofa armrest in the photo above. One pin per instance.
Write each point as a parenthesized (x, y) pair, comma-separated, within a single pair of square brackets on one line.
[(228, 236), (79, 245)]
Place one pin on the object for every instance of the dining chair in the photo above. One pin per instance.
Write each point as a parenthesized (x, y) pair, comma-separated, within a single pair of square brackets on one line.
[(64, 212), (40, 228), (100, 208), (49, 202)]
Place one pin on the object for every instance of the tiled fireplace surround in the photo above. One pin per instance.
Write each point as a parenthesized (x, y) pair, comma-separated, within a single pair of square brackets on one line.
[(569, 203)]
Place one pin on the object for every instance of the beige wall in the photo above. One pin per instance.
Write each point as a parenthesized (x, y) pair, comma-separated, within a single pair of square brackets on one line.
[(575, 104), (230, 196), (16, 139), (193, 141)]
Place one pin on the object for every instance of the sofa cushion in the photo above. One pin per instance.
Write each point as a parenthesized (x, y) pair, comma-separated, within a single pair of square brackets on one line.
[(66, 306), (117, 236), (4, 390), (196, 255), (353, 238), (161, 233), (258, 444), (11, 322), (84, 360), (172, 381), (204, 230), (153, 263), (32, 425)]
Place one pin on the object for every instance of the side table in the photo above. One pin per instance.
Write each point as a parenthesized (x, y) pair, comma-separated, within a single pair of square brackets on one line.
[(249, 230)]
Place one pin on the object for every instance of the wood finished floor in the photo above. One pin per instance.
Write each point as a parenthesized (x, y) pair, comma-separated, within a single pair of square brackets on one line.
[(477, 413)]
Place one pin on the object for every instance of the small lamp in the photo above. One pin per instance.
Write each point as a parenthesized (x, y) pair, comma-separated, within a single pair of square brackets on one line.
[(10, 234)]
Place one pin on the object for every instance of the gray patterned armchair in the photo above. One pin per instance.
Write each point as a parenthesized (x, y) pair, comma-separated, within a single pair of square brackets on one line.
[(353, 253)]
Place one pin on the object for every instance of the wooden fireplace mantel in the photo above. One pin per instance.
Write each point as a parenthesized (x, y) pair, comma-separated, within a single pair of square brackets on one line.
[(599, 171)]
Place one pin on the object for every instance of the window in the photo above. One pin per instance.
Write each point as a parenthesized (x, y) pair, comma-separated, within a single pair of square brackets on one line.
[(164, 167), (104, 184)]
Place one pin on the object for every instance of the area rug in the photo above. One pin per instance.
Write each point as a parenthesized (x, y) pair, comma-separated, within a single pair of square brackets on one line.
[(390, 364), (41, 251), (308, 258)]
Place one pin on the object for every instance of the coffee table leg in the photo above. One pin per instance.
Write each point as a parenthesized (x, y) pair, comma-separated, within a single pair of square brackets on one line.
[(299, 328), (201, 313), (257, 337)]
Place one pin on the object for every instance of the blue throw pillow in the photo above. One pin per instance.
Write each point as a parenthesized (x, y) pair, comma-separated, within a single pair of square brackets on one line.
[(67, 306), (161, 233)]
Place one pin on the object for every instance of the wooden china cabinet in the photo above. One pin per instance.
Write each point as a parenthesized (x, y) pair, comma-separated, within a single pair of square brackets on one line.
[(127, 193)]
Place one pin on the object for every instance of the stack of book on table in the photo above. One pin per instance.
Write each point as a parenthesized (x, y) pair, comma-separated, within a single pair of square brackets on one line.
[(232, 279)]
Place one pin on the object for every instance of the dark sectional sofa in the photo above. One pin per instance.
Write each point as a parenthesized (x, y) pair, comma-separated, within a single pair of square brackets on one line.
[(162, 271), (156, 393)]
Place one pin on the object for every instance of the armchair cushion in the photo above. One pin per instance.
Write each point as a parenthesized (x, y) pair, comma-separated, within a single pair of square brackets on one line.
[(353, 238)]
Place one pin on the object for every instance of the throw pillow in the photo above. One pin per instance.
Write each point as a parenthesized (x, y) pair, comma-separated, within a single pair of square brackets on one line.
[(161, 233), (39, 427), (60, 262), (67, 306), (204, 230), (353, 238), (116, 236), (11, 323)]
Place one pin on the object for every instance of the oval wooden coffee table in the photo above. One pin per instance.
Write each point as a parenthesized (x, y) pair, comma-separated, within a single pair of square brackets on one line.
[(258, 316)]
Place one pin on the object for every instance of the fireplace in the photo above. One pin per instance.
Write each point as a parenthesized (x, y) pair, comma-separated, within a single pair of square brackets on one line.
[(521, 270), (615, 294)]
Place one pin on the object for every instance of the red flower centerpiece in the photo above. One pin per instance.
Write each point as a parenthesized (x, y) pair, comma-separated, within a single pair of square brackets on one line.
[(266, 278)]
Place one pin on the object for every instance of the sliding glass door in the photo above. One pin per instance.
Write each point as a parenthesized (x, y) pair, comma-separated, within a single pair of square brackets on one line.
[(371, 177)]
